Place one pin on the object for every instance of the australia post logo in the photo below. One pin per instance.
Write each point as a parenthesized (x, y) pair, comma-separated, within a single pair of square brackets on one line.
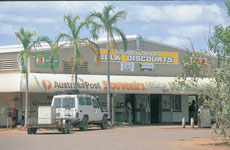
[(46, 84)]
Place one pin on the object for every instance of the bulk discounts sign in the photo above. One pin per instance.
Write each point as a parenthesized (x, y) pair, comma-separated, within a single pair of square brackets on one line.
[(140, 56)]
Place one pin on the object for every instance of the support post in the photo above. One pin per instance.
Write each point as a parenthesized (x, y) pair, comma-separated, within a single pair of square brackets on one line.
[(183, 122), (192, 122)]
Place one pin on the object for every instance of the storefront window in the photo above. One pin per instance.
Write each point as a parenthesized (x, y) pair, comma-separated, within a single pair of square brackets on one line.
[(177, 103)]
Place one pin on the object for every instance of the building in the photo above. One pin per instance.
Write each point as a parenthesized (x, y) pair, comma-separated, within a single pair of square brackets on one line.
[(142, 76)]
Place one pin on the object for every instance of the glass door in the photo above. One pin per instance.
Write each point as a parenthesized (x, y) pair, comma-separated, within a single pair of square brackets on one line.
[(142, 109)]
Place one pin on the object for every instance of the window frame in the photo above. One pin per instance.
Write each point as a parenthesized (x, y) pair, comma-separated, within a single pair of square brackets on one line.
[(176, 101)]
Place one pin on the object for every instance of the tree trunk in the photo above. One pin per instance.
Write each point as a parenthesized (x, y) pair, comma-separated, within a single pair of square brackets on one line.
[(26, 101), (108, 80), (76, 86)]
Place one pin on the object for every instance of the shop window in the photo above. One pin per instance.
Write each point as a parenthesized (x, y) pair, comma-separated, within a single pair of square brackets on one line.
[(57, 102), (176, 103), (88, 101)]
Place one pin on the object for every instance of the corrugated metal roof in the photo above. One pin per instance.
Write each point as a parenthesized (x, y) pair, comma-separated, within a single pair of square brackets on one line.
[(45, 46)]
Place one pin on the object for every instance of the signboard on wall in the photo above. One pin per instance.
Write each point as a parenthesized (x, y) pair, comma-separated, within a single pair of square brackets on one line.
[(140, 56), (43, 60), (147, 67), (127, 66)]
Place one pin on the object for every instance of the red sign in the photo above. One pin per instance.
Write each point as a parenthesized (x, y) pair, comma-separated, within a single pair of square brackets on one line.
[(46, 84), (40, 60), (125, 86)]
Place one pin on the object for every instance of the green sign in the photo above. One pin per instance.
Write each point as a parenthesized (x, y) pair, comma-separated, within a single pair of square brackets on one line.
[(43, 60)]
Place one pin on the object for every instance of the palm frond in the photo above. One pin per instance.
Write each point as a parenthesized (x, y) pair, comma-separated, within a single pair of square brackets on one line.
[(71, 23), (62, 36), (106, 11), (119, 16), (96, 15), (122, 35), (94, 47), (81, 25)]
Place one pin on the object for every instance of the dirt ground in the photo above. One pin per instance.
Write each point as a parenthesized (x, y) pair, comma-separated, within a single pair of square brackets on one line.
[(208, 143), (195, 140)]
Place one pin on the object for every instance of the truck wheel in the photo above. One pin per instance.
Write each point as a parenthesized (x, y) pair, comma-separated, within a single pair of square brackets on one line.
[(34, 130), (65, 129), (84, 124), (68, 127), (104, 123), (29, 130)]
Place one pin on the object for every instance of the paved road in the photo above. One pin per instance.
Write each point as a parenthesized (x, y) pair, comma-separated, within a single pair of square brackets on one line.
[(119, 138)]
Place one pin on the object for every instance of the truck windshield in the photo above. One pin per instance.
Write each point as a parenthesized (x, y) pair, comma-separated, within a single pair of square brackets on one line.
[(68, 103)]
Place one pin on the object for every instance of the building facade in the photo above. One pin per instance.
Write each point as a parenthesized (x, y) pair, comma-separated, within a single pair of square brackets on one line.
[(142, 76)]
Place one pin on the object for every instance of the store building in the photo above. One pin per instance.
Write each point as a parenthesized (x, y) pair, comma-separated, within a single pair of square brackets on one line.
[(142, 76)]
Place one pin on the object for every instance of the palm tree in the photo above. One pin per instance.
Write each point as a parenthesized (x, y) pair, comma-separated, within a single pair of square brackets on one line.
[(55, 47), (107, 19), (76, 42), (28, 40)]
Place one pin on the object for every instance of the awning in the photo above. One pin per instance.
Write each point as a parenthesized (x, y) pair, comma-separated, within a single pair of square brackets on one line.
[(53, 83)]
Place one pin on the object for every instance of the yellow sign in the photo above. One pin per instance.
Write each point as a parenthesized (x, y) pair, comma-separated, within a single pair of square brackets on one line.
[(140, 56)]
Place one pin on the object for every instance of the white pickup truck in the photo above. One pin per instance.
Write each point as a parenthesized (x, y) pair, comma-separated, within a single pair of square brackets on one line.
[(69, 110)]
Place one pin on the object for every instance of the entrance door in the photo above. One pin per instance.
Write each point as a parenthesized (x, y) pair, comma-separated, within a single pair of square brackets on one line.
[(142, 109), (131, 98), (155, 108)]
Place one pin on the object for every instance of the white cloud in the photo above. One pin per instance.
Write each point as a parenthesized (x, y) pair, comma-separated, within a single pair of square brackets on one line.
[(176, 13), (188, 31), (44, 20), (45, 12), (176, 41), (7, 29), (155, 38), (17, 18), (81, 7)]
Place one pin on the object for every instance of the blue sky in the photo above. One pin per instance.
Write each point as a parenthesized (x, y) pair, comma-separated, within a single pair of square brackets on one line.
[(169, 22)]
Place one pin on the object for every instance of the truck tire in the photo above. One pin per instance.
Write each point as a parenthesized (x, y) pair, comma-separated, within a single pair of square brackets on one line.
[(34, 130), (104, 122), (29, 130), (65, 129), (68, 127), (84, 126)]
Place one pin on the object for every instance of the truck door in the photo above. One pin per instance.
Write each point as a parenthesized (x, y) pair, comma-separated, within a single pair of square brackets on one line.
[(81, 106), (68, 107), (96, 110), (57, 104)]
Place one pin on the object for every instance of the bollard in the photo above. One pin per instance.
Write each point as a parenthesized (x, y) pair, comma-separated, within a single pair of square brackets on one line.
[(192, 122), (183, 122)]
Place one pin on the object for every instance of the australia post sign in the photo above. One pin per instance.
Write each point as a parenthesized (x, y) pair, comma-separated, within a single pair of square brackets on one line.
[(140, 56), (51, 83)]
